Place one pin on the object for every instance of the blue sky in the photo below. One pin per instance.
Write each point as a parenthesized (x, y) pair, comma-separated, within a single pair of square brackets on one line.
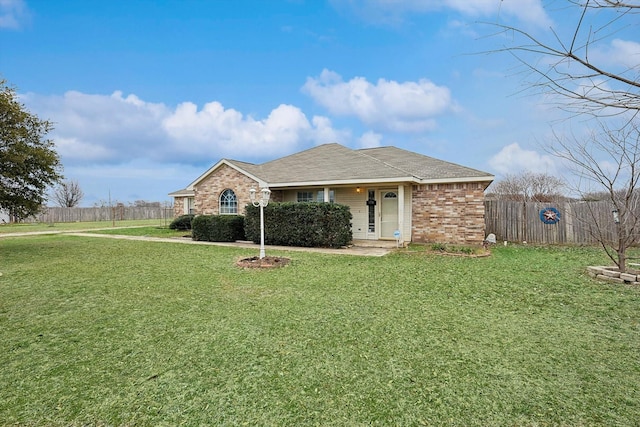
[(147, 94)]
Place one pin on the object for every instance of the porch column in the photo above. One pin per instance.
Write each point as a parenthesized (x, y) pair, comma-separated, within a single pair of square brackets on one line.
[(401, 212), (327, 199)]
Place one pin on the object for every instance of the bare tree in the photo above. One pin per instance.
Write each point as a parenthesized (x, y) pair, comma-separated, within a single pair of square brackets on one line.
[(68, 194), (145, 204), (565, 63), (528, 186), (609, 161)]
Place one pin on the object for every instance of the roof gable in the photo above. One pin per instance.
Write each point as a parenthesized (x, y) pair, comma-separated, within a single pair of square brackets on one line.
[(242, 167)]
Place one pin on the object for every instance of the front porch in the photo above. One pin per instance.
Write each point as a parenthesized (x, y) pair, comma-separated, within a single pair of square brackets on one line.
[(381, 211)]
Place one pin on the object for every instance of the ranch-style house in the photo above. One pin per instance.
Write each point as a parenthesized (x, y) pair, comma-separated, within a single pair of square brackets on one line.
[(393, 193)]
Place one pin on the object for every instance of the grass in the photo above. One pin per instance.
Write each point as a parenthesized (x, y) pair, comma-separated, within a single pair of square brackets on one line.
[(69, 226), (155, 231), (105, 332)]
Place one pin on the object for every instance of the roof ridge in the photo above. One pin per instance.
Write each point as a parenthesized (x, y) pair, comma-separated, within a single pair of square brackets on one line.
[(298, 153), (360, 152), (238, 161)]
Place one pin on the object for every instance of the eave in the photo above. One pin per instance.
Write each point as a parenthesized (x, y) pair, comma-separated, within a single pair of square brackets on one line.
[(226, 162), (378, 181), (182, 193)]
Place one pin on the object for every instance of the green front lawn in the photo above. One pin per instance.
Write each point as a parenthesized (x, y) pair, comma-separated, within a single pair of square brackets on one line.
[(112, 332), (71, 226), (150, 231)]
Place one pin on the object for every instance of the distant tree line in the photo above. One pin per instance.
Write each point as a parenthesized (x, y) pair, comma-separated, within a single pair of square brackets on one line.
[(528, 187)]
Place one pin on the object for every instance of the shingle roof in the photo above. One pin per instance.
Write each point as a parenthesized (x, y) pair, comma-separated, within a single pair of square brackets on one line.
[(336, 163), (421, 166)]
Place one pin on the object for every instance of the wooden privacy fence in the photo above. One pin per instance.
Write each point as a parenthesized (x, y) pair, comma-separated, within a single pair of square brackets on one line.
[(515, 221), (114, 213), (511, 221)]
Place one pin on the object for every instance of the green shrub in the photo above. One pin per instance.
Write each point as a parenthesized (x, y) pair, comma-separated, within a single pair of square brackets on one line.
[(312, 224), (467, 250), (438, 247), (218, 228), (183, 222)]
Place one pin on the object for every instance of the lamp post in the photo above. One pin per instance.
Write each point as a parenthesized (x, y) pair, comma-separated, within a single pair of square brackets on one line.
[(262, 202)]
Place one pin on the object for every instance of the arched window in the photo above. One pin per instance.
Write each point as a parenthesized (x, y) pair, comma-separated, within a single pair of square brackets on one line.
[(228, 202)]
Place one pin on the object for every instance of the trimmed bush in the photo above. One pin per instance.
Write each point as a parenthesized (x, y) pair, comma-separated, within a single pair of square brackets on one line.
[(183, 222), (309, 224), (218, 228)]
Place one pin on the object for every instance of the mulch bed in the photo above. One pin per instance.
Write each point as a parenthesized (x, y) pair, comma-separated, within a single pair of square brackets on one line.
[(480, 254), (266, 262)]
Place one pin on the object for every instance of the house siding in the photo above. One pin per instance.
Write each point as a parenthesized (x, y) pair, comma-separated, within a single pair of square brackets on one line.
[(448, 213), (357, 205)]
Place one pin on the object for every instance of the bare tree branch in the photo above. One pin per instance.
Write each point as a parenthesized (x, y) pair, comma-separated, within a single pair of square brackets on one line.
[(528, 186), (582, 86), (68, 194)]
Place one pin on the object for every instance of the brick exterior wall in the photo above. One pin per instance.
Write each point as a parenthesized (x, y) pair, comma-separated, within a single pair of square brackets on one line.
[(208, 191), (448, 213), (178, 206)]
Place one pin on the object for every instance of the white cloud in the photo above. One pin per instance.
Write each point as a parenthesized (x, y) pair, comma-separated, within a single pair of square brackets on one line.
[(102, 127), (13, 14), (323, 132), (370, 140), (72, 148), (400, 107), (116, 128), (215, 129), (624, 53), (531, 11), (513, 159), (393, 11)]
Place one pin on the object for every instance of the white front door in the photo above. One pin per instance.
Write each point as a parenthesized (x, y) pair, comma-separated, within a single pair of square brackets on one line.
[(388, 214)]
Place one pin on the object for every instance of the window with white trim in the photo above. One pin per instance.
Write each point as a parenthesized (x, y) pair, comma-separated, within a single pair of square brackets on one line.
[(321, 196), (228, 202), (306, 196), (312, 196)]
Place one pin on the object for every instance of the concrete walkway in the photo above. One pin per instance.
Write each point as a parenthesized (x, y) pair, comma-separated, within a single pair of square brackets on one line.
[(360, 247)]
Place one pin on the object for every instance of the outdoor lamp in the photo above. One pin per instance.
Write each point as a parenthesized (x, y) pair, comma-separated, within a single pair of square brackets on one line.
[(264, 201), (616, 217), (265, 192)]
